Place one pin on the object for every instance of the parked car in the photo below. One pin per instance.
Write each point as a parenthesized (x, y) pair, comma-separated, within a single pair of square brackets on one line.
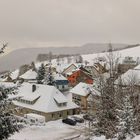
[(78, 119), (69, 121)]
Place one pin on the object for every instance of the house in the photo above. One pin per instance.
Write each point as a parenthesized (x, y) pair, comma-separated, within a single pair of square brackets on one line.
[(130, 81), (10, 76), (69, 69), (26, 67), (79, 76), (50, 68), (44, 100), (82, 95), (96, 69), (132, 75), (29, 76), (127, 63), (60, 82), (85, 70)]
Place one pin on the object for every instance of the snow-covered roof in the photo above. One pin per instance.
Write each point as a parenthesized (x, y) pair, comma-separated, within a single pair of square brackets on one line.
[(132, 75), (84, 89), (31, 97), (46, 102), (137, 67), (62, 67), (14, 74), (8, 84), (60, 98), (59, 77), (30, 74)]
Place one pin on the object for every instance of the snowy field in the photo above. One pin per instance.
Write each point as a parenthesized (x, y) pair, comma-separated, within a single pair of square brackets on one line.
[(131, 52)]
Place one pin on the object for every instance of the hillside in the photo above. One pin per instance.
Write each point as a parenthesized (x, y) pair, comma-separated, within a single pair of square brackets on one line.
[(132, 52), (26, 55)]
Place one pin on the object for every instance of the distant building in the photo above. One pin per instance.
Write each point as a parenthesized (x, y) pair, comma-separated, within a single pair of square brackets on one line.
[(128, 63)]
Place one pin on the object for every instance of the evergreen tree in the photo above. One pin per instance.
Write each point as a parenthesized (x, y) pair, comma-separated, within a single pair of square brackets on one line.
[(50, 77), (41, 74), (8, 123)]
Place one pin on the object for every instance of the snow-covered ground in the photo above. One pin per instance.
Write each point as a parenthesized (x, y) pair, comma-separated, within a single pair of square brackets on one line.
[(137, 138), (53, 130), (131, 52), (56, 130)]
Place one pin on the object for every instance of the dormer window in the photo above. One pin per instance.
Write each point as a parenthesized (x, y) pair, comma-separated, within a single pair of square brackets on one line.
[(60, 102), (28, 100)]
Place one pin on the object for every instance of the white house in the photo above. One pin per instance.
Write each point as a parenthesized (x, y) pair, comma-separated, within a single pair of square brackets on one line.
[(29, 76), (132, 75), (44, 100)]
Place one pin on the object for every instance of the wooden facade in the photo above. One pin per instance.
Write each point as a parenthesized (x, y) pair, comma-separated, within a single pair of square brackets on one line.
[(79, 76)]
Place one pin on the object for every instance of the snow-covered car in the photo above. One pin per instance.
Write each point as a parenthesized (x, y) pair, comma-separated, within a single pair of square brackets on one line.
[(35, 119), (69, 121)]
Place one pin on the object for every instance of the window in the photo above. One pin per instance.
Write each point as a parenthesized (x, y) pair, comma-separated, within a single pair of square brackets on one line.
[(76, 97), (60, 114), (67, 112), (25, 101), (64, 104)]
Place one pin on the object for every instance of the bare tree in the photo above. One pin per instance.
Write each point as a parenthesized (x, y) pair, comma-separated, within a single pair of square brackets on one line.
[(3, 48), (106, 114), (112, 59), (69, 59)]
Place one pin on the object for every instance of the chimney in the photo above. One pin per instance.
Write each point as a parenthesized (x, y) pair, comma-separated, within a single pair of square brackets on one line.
[(33, 88)]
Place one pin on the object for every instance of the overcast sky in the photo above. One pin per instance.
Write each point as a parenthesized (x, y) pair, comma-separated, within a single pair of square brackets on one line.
[(36, 23)]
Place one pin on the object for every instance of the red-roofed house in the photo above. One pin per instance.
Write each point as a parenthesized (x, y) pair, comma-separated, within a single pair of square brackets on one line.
[(79, 76)]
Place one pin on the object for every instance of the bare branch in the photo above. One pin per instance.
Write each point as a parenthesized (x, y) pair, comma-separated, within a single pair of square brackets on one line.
[(3, 48)]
